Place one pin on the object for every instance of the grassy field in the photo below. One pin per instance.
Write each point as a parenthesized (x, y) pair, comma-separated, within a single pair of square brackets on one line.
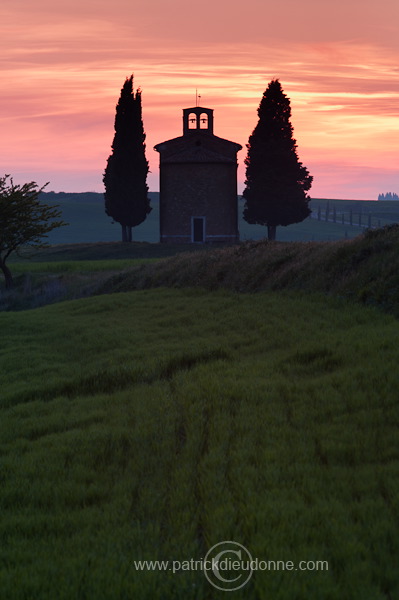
[(69, 271), (154, 424), (255, 403), (71, 266), (364, 269)]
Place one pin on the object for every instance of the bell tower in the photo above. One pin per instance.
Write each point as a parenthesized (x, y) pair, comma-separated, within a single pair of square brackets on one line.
[(197, 119)]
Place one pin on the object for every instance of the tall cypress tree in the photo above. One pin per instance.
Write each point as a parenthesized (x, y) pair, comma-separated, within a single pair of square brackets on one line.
[(276, 182), (125, 176)]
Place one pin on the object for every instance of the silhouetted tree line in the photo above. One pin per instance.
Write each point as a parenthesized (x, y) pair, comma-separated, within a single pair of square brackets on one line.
[(388, 196)]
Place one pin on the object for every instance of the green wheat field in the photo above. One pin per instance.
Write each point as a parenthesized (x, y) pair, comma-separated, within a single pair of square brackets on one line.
[(151, 424)]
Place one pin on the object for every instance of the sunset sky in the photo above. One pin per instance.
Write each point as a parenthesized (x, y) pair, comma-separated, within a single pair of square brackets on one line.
[(63, 63)]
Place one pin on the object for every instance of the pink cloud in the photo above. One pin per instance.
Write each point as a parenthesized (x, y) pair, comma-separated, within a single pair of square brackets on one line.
[(63, 64)]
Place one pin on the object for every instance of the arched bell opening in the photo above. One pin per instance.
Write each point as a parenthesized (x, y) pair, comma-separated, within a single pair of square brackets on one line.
[(192, 121), (204, 121)]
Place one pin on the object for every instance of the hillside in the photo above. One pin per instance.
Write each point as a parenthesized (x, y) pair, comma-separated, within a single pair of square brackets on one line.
[(151, 424), (365, 269)]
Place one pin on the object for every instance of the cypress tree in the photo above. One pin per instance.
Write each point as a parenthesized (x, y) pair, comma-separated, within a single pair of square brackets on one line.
[(276, 182), (125, 176)]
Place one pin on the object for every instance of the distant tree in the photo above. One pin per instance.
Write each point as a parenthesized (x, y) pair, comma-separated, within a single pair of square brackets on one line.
[(125, 176), (24, 220), (276, 182), (388, 196)]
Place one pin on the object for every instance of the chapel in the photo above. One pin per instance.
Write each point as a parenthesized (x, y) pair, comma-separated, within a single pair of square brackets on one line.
[(198, 183)]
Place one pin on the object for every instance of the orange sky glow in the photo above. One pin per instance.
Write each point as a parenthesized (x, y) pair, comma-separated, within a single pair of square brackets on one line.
[(63, 64)]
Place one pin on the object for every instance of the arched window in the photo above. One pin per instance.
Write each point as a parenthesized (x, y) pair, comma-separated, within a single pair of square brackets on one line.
[(192, 121), (204, 121)]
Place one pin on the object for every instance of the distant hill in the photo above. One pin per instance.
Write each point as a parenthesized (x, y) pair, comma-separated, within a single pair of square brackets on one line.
[(88, 222), (331, 220)]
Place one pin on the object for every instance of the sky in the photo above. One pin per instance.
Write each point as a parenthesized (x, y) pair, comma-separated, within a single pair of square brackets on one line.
[(63, 64)]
